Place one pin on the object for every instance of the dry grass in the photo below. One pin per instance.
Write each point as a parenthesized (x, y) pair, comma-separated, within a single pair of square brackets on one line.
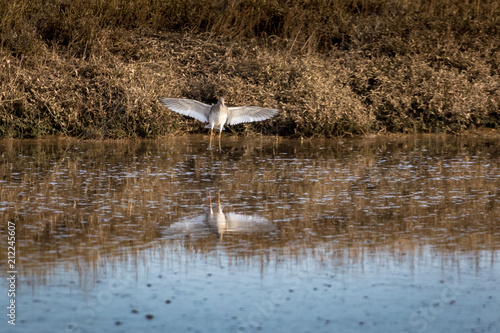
[(96, 69)]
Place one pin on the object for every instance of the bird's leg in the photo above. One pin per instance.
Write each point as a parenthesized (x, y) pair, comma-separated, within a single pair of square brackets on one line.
[(220, 134), (211, 210), (220, 206), (211, 133)]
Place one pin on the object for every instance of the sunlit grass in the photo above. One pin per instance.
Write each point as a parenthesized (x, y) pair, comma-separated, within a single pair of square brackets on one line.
[(96, 69)]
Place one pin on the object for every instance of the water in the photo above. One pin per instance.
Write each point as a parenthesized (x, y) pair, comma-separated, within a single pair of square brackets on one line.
[(387, 234)]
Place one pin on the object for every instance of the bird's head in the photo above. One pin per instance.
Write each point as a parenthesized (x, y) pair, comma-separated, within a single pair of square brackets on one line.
[(221, 100)]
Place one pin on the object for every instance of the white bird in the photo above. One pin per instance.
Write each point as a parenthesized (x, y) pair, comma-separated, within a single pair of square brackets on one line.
[(219, 114)]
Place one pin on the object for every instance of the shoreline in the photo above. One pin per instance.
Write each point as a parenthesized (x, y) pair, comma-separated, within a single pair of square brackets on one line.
[(482, 133)]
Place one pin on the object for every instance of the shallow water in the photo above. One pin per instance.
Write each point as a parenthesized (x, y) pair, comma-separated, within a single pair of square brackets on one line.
[(388, 234)]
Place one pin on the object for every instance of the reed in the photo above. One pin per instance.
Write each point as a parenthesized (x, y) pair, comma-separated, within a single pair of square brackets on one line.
[(95, 69)]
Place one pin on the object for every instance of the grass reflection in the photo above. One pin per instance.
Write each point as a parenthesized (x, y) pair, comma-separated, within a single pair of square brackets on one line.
[(81, 204)]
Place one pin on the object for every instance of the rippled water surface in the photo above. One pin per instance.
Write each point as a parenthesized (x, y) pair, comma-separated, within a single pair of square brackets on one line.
[(387, 234)]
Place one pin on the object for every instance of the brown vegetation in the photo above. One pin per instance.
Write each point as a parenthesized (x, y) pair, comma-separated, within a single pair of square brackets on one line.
[(96, 69)]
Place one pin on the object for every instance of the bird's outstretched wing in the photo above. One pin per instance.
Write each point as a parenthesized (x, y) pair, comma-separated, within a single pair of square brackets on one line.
[(248, 114), (188, 107), (247, 223)]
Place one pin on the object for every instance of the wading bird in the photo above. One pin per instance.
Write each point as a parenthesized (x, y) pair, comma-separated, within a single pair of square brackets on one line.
[(219, 114)]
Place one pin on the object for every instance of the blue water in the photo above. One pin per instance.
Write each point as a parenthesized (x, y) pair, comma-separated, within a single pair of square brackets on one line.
[(181, 292)]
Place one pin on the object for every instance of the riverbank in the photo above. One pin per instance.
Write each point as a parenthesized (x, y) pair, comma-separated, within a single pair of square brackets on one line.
[(334, 68)]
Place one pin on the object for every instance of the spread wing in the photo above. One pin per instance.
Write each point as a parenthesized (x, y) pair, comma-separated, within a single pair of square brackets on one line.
[(188, 107), (247, 223), (248, 114)]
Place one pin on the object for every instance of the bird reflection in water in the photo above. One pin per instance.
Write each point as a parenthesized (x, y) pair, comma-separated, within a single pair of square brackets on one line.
[(220, 223)]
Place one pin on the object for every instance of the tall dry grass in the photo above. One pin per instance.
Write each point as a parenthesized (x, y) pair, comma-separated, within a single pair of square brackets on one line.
[(335, 67)]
